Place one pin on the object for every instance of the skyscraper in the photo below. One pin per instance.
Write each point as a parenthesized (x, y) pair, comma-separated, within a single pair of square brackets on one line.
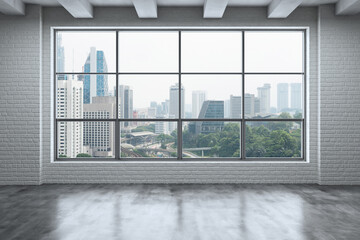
[(174, 101), (264, 97), (282, 96), (209, 109), (249, 104), (296, 96), (256, 106), (165, 107), (164, 127), (60, 58), (70, 105), (198, 97), (125, 103), (153, 104), (235, 106), (95, 85), (160, 127), (227, 108), (99, 136)]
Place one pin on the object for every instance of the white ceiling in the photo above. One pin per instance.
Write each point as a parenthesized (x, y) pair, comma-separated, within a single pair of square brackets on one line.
[(179, 3), (148, 8)]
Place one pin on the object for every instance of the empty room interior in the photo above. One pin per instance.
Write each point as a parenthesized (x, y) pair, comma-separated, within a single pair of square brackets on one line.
[(180, 119)]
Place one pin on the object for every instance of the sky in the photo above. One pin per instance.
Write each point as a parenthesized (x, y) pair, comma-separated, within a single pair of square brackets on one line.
[(201, 52)]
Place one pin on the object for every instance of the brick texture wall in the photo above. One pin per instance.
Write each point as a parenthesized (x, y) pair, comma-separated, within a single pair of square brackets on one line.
[(19, 97), (340, 97)]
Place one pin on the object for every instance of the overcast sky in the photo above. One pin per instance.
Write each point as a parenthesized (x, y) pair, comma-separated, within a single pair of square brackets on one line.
[(201, 52)]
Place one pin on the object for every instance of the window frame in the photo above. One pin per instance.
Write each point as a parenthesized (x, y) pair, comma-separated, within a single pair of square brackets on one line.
[(243, 120)]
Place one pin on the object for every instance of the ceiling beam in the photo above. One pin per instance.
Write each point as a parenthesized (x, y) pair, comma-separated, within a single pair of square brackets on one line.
[(12, 7), (348, 7), (282, 8), (215, 8), (78, 8), (146, 8)]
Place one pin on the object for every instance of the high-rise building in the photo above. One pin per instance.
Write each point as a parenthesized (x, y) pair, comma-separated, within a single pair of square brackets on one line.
[(256, 106), (198, 97), (95, 85), (165, 107), (209, 109), (125, 103), (264, 97), (227, 108), (296, 96), (70, 105), (160, 127), (164, 127), (174, 101), (235, 106), (153, 104), (99, 136), (249, 104), (282, 96), (60, 58)]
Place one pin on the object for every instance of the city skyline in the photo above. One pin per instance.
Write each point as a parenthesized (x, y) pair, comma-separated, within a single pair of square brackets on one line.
[(76, 47), (203, 96)]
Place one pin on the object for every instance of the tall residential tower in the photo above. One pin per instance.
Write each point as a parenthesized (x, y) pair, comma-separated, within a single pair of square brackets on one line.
[(198, 97), (95, 85), (264, 97), (174, 101), (282, 96)]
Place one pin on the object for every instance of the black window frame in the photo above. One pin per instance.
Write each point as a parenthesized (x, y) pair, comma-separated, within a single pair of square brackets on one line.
[(243, 120)]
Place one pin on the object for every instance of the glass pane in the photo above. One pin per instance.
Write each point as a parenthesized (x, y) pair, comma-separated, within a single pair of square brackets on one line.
[(148, 96), (273, 139), (279, 51), (211, 51), (85, 139), (86, 51), (274, 96), (148, 51), (86, 96), (211, 139), (212, 96), (148, 139)]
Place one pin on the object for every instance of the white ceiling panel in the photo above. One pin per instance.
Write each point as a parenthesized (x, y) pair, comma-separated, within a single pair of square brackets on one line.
[(181, 3)]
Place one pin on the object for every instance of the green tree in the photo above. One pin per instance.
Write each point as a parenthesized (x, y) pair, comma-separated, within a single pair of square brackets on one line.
[(271, 139), (298, 115), (285, 115), (228, 142), (147, 128), (255, 142), (164, 138), (281, 144), (277, 139), (62, 156), (83, 155)]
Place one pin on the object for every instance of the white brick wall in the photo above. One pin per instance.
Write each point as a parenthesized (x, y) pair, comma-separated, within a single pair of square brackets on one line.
[(19, 98), (340, 98), (20, 159)]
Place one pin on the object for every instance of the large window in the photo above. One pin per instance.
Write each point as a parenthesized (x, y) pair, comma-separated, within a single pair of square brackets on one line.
[(180, 94)]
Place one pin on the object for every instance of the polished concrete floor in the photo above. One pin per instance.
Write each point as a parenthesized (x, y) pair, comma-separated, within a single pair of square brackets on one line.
[(167, 212)]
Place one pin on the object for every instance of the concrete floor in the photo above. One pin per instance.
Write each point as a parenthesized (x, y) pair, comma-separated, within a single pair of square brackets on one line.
[(188, 212)]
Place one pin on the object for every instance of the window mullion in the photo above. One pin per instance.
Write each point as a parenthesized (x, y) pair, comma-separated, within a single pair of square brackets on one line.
[(179, 128), (242, 139), (117, 124)]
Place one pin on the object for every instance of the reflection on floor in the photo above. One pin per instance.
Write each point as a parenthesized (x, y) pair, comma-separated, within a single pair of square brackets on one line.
[(188, 212)]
